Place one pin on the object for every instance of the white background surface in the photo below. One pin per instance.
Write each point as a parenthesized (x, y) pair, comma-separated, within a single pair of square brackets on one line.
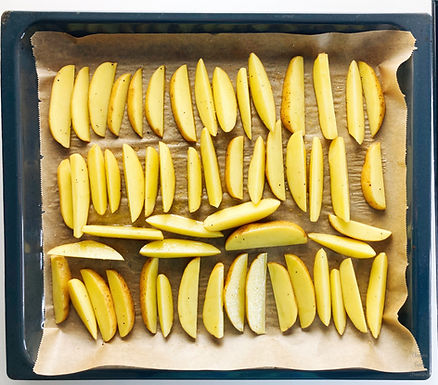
[(231, 6)]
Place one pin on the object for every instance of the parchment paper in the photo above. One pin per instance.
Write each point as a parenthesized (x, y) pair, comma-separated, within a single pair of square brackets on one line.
[(68, 347)]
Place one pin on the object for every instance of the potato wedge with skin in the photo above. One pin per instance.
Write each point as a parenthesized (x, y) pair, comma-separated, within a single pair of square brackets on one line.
[(167, 177), (239, 215), (285, 303), (204, 98), (339, 316), (324, 96), (213, 310), (296, 169), (60, 101), (113, 181), (80, 188), (182, 225), (256, 171), (351, 295), (234, 167), (339, 188), (243, 100), (165, 304), (148, 294), (60, 276), (371, 179), (375, 301), (321, 279), (122, 232), (211, 169), (87, 249), (303, 289), (135, 102), (194, 179), (292, 101), (268, 234), (134, 181), (65, 192), (255, 294), (151, 168), (154, 101), (342, 245), (96, 171), (117, 103), (316, 180), (261, 91), (79, 105), (357, 230), (123, 303), (82, 304), (178, 248), (354, 100), (99, 95), (100, 297), (225, 101), (181, 101), (234, 291), (188, 297), (274, 162), (374, 98)]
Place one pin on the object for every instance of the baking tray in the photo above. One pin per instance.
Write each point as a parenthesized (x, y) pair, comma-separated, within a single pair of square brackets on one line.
[(21, 172)]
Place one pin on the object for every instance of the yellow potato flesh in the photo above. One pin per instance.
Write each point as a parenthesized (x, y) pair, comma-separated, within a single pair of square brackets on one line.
[(96, 171), (357, 230), (59, 109), (60, 276), (354, 100), (151, 168), (167, 177), (234, 167), (113, 181), (65, 192), (296, 169), (255, 294), (165, 304), (256, 171), (345, 246), (80, 193), (154, 101), (224, 100), (339, 316), (321, 279), (79, 105), (316, 180), (148, 294), (135, 102), (204, 98), (116, 107), (86, 249), (274, 162), (178, 248), (373, 186), (194, 180), (213, 310), (243, 100), (123, 232)]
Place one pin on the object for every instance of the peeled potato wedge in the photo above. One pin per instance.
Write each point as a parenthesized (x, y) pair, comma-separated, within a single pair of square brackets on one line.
[(274, 162), (87, 249), (135, 102), (357, 230), (342, 245), (96, 171), (316, 179), (167, 177), (204, 98), (256, 171), (60, 276), (178, 248), (224, 100), (255, 294), (123, 232), (117, 103), (213, 310), (134, 181), (234, 167), (113, 181), (338, 310), (194, 179), (321, 279), (80, 188), (165, 304), (148, 294), (65, 192), (354, 100), (296, 169), (371, 179), (243, 100), (151, 168), (79, 105), (154, 101)]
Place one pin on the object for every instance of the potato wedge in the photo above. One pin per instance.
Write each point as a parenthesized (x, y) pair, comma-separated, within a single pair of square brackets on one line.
[(274, 162), (321, 279), (316, 179), (148, 294), (373, 186), (123, 232), (80, 188), (357, 230), (354, 100), (255, 294), (79, 105), (151, 169), (164, 304), (134, 181), (117, 103), (194, 179), (213, 310), (256, 171), (225, 101), (342, 245), (113, 181), (178, 248), (296, 169), (234, 167), (339, 316), (65, 192), (204, 98), (243, 100), (87, 249), (96, 171), (135, 102), (60, 276), (167, 177), (154, 101)]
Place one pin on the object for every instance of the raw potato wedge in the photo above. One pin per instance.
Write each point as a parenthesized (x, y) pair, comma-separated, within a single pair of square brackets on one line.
[(167, 177), (60, 276), (225, 101), (148, 294), (261, 91), (342, 245), (100, 297), (239, 215), (151, 169), (375, 301), (243, 100), (371, 179), (113, 181), (316, 179), (303, 288), (178, 248), (204, 98), (82, 304), (285, 303), (374, 98), (255, 294), (154, 101), (87, 249), (234, 291), (234, 167), (134, 181), (123, 303), (96, 171), (165, 304), (339, 316), (79, 105), (339, 187), (268, 234), (99, 96), (65, 192), (60, 101), (351, 295), (181, 101), (123, 232), (117, 103), (357, 230), (292, 102), (354, 100), (80, 188), (321, 279), (211, 169), (256, 171), (135, 102), (182, 225), (296, 169), (324, 96), (213, 310), (274, 162), (188, 297), (194, 179)]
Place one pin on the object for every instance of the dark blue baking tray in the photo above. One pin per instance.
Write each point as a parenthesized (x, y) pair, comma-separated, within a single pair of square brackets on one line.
[(21, 171)]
